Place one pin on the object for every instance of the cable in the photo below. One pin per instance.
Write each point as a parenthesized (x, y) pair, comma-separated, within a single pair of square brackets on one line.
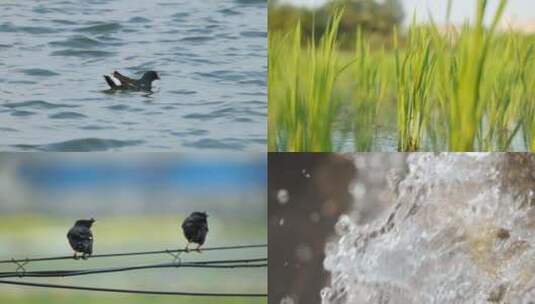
[(129, 254), (225, 264), (151, 292), (241, 263)]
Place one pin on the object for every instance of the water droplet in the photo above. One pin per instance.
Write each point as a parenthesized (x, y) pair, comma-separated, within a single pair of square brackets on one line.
[(304, 253), (314, 217), (287, 300), (330, 248), (281, 222), (305, 173), (325, 293), (283, 196), (359, 190), (344, 225)]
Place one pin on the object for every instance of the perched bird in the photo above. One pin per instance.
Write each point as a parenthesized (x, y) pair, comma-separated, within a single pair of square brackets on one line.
[(81, 238), (126, 83), (195, 228)]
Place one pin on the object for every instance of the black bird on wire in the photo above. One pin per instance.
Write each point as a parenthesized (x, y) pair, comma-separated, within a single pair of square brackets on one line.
[(195, 228), (126, 83), (81, 238)]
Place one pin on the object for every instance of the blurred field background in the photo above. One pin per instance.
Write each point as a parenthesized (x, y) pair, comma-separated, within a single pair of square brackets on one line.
[(139, 202), (367, 75)]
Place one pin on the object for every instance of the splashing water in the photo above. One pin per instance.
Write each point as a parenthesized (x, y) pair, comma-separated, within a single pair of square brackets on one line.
[(461, 230)]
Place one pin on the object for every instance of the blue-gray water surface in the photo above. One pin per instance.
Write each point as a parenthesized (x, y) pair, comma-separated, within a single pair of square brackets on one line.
[(210, 54)]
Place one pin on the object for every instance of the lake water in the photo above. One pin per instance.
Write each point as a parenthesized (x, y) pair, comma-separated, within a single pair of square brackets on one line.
[(210, 54)]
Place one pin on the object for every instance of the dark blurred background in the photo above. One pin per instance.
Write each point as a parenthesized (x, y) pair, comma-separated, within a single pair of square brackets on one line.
[(139, 201), (307, 192)]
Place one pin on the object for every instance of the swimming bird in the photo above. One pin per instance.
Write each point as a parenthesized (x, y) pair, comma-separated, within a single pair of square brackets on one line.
[(126, 83), (195, 228), (81, 238)]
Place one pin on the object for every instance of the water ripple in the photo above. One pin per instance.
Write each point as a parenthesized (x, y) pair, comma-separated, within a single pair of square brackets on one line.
[(22, 113), (100, 28), (82, 145), (189, 132), (82, 53), (225, 144), (4, 129), (39, 72), (11, 28), (183, 92), (259, 34), (77, 41), (67, 115), (210, 57), (120, 107), (198, 39), (36, 104), (139, 20)]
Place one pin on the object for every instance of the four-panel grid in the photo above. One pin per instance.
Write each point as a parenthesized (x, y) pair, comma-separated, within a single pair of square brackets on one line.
[(267, 151)]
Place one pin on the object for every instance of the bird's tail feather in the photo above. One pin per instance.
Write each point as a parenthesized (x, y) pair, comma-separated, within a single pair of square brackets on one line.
[(110, 81)]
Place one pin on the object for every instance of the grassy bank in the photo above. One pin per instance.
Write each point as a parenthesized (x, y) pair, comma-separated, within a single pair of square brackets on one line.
[(469, 88)]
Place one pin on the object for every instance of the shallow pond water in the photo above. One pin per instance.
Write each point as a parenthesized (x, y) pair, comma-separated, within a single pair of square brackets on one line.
[(211, 56)]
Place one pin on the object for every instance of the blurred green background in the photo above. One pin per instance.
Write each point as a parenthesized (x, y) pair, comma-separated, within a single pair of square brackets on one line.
[(375, 17), (139, 202)]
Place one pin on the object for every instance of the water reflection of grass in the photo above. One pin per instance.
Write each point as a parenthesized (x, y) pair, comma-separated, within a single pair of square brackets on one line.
[(35, 236), (460, 89)]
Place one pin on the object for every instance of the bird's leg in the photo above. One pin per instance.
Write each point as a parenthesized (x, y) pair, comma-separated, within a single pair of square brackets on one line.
[(75, 256), (198, 249), (84, 256), (187, 248)]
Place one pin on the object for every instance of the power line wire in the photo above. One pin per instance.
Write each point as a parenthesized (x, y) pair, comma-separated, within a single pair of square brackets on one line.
[(151, 292), (177, 262), (217, 264), (167, 251)]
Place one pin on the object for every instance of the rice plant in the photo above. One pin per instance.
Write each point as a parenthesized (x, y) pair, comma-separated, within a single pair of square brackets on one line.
[(301, 82), (466, 106), (369, 90), (414, 71), (465, 88)]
